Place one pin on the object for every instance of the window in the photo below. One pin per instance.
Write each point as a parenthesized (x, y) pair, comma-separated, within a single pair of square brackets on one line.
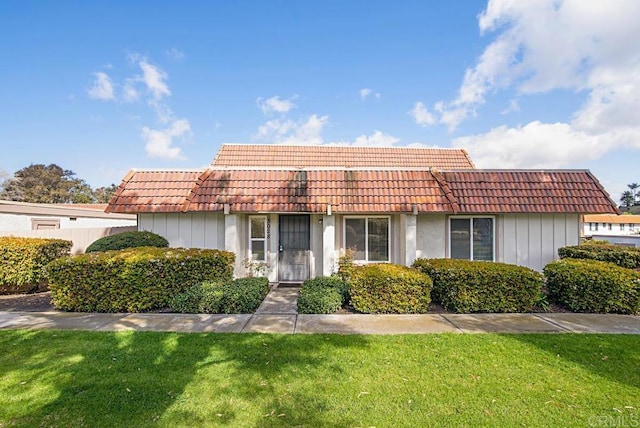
[(621, 226), (471, 238), (609, 226), (258, 238), (632, 226), (593, 226), (368, 237), (45, 223)]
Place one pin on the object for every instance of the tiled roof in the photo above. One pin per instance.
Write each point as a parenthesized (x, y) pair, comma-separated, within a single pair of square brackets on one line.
[(611, 218), (353, 190), (346, 190), (291, 156), (528, 191), (153, 191)]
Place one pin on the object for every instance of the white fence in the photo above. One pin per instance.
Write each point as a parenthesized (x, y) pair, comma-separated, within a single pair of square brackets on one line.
[(81, 238)]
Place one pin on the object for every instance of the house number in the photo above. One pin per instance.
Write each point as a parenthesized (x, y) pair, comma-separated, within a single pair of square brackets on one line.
[(268, 228)]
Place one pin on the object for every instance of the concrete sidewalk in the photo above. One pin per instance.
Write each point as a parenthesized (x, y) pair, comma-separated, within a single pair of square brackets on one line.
[(337, 324), (278, 314)]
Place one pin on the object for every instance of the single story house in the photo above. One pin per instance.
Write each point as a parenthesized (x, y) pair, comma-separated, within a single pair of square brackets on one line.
[(297, 209)]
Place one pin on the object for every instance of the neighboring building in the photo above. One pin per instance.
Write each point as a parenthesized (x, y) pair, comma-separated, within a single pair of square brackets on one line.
[(611, 225), (298, 208), (81, 223)]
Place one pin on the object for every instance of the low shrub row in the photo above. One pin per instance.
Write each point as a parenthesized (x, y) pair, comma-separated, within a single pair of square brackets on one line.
[(626, 257), (133, 280), (593, 286), (474, 286), (323, 295), (389, 289), (240, 296), (124, 240), (24, 261)]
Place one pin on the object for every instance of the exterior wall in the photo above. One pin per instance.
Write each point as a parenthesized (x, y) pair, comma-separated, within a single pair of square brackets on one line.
[(630, 229), (187, 230), (81, 238), (533, 240), (632, 241), (431, 241), (22, 222)]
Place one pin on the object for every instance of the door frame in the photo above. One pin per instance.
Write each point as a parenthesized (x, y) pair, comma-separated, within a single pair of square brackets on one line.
[(280, 264)]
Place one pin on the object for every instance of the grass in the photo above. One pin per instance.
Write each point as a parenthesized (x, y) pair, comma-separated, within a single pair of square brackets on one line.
[(95, 379)]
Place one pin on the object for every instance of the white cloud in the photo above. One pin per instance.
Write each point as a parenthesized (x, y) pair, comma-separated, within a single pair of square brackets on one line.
[(513, 107), (378, 138), (160, 142), (154, 78), (129, 91), (287, 131), (545, 45), (174, 54), (102, 88), (535, 145), (276, 104), (366, 92), (421, 114)]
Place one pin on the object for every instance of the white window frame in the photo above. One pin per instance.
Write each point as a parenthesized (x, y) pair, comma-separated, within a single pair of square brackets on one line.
[(593, 226), (366, 236), (621, 226), (251, 240), (632, 226), (470, 218)]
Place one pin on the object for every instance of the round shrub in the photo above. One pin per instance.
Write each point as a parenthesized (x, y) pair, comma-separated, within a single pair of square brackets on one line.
[(390, 289), (319, 301), (124, 240), (593, 286), (133, 280), (323, 295), (626, 257), (474, 286)]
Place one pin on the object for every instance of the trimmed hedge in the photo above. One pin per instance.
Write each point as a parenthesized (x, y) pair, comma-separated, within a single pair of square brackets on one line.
[(133, 280), (626, 257), (593, 286), (473, 286), (390, 289), (323, 295), (24, 261), (240, 296), (124, 240)]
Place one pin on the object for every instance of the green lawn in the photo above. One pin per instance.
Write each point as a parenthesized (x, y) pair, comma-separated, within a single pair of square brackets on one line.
[(62, 378)]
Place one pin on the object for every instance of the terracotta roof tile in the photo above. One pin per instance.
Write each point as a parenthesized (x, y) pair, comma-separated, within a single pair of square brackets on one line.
[(292, 156), (153, 191), (533, 191)]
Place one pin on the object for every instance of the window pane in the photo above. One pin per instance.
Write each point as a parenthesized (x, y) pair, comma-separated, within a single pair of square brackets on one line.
[(483, 239), (460, 238), (257, 250), (378, 239), (354, 234), (257, 228)]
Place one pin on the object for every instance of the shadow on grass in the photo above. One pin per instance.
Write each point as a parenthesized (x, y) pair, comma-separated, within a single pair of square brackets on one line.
[(606, 355), (62, 378)]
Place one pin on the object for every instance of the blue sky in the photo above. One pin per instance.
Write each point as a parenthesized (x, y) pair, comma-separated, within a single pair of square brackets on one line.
[(102, 87)]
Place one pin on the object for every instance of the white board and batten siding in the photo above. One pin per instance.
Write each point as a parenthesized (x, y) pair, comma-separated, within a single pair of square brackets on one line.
[(533, 240), (186, 230), (530, 240)]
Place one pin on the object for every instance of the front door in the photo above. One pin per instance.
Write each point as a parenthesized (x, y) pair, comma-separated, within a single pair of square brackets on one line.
[(293, 258)]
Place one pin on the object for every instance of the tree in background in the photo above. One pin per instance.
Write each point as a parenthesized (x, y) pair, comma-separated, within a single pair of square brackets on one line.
[(48, 184), (103, 194), (633, 187), (627, 199)]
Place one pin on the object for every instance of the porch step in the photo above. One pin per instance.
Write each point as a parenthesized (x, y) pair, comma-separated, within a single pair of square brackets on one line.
[(280, 301)]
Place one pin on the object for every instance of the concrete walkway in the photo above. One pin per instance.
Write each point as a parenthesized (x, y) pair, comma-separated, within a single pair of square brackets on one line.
[(277, 314)]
